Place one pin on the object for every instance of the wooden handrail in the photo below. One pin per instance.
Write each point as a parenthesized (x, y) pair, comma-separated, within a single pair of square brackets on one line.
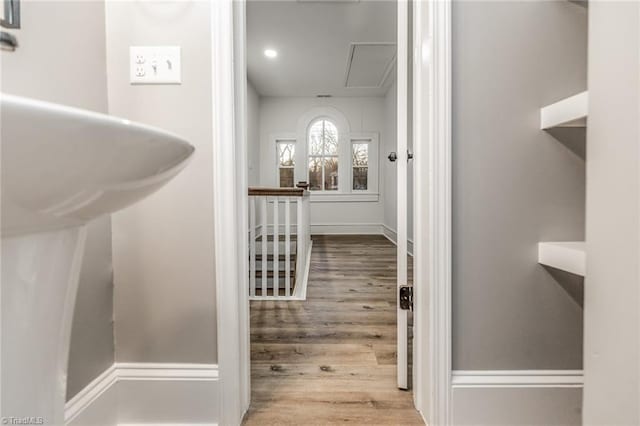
[(255, 191)]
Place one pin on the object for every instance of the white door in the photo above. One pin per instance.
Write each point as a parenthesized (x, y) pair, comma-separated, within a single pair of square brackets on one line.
[(401, 170)]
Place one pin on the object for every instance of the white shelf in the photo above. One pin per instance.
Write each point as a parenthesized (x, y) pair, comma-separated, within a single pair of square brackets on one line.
[(569, 112), (568, 256)]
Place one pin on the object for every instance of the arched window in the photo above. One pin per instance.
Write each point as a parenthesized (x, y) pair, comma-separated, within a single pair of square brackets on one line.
[(322, 141)]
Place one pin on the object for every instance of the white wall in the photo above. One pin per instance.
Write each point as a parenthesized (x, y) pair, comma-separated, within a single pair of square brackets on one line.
[(61, 58), (165, 294), (389, 169), (612, 283), (388, 172), (280, 115), (253, 135)]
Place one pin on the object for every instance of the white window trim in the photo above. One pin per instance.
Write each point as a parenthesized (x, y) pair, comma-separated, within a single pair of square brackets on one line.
[(374, 163), (282, 137), (345, 174), (324, 154)]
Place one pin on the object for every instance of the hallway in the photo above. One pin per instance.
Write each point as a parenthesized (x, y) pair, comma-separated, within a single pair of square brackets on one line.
[(331, 358)]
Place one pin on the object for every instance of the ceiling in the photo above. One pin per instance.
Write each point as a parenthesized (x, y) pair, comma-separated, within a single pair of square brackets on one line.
[(322, 45)]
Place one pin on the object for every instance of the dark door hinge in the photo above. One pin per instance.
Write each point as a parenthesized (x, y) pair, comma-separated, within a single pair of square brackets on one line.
[(406, 297)]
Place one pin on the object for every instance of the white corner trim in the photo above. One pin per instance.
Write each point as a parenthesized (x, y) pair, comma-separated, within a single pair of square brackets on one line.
[(517, 379), (122, 372)]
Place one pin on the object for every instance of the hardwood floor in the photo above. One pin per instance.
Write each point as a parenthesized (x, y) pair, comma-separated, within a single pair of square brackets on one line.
[(331, 358)]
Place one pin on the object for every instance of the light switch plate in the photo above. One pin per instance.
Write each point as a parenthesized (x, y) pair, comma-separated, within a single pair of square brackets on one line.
[(155, 65)]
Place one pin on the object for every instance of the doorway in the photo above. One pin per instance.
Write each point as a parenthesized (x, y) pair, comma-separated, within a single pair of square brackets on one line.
[(432, 384), (326, 105)]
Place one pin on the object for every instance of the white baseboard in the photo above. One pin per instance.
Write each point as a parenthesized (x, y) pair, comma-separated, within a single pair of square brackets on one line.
[(148, 393), (342, 229), (392, 236), (517, 397), (346, 229), (330, 229)]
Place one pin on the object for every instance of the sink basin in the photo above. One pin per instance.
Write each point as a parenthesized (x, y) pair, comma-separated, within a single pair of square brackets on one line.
[(61, 168)]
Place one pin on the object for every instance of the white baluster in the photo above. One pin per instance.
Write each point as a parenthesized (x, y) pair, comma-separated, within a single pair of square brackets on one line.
[(305, 233), (276, 248), (299, 240), (263, 232), (252, 246), (287, 246)]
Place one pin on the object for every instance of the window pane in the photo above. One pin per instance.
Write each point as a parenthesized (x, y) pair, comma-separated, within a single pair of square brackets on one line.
[(323, 156), (286, 154), (315, 138), (315, 174), (360, 175), (286, 177), (360, 154), (360, 163), (331, 173), (330, 138)]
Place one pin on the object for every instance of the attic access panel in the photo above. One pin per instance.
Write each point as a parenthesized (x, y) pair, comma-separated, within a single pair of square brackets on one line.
[(369, 65)]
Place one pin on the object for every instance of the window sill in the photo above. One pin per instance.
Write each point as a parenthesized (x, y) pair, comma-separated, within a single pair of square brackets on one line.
[(349, 197)]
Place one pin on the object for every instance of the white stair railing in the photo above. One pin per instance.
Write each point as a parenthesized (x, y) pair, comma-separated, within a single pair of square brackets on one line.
[(274, 246)]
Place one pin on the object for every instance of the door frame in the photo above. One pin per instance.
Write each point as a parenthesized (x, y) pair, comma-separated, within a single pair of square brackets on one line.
[(432, 168), (432, 208)]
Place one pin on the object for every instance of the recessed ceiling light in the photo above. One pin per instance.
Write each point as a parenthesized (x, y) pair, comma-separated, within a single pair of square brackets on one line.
[(270, 53)]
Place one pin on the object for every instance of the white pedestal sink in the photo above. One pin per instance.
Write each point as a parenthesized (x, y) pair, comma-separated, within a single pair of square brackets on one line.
[(61, 168)]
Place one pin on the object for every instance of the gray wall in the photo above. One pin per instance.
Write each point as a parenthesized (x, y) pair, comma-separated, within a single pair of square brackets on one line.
[(512, 406), (70, 69), (612, 285), (165, 295), (513, 184)]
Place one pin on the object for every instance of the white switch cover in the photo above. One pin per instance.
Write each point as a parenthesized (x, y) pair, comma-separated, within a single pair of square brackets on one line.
[(155, 65)]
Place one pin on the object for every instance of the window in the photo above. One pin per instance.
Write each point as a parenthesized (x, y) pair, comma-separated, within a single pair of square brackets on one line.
[(339, 165), (286, 154), (323, 156), (360, 166)]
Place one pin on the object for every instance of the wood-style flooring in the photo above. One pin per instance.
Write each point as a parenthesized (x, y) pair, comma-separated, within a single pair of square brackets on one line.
[(331, 359)]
